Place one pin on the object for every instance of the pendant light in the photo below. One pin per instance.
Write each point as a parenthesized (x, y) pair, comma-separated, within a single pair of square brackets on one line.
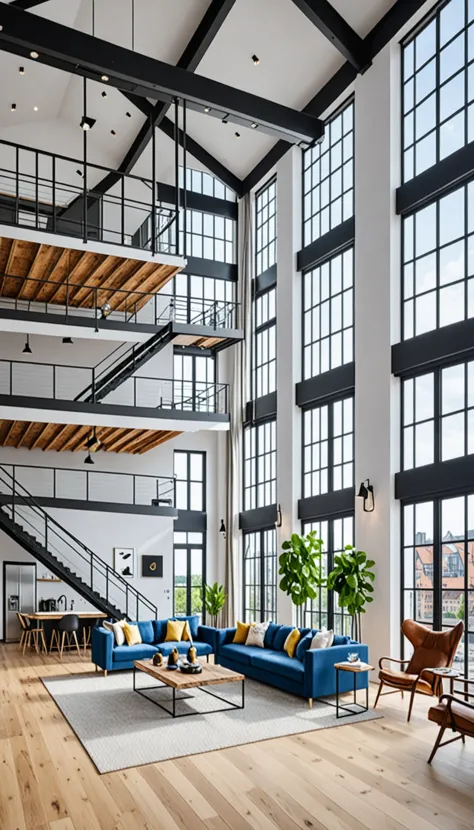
[(27, 348)]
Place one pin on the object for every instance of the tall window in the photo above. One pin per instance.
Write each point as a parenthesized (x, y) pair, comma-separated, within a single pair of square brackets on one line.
[(438, 88), (325, 611), (194, 369), (328, 447), (189, 573), (438, 415), (328, 315), (264, 346), (260, 465), (438, 263), (190, 472), (438, 568), (265, 228), (328, 178), (203, 300), (199, 182), (260, 575)]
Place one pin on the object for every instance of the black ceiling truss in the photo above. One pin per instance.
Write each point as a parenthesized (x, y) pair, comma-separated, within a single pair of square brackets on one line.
[(333, 26), (82, 54), (26, 4), (382, 33)]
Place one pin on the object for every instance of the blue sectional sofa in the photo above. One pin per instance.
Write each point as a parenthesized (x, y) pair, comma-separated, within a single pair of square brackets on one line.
[(109, 657), (310, 673)]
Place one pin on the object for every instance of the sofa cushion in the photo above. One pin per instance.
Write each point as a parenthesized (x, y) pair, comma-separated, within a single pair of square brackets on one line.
[(270, 634), (193, 621), (341, 640), (159, 628), (146, 631), (125, 654), (277, 662), (183, 646), (303, 645), (238, 653), (281, 636)]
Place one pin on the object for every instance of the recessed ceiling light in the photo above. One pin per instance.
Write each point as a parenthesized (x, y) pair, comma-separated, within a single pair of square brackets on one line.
[(35, 109), (207, 109), (13, 107), (113, 132), (1, 28), (21, 70), (237, 135), (87, 123), (128, 114), (34, 55), (256, 59), (104, 94), (79, 173), (225, 120), (104, 77), (254, 126)]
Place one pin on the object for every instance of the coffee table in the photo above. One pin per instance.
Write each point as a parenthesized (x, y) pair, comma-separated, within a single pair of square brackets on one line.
[(211, 675)]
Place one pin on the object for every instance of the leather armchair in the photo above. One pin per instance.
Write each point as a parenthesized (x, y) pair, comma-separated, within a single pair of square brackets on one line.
[(453, 713), (431, 650)]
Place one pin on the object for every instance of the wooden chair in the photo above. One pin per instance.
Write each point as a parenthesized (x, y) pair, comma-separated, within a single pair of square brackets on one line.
[(431, 650), (453, 713), (27, 633)]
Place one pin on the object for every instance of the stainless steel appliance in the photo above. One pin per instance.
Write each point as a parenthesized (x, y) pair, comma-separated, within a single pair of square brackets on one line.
[(48, 605), (19, 594)]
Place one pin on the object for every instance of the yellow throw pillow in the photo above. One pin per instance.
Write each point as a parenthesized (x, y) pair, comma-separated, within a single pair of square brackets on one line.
[(132, 634), (241, 634), (175, 631), (292, 641), (187, 632)]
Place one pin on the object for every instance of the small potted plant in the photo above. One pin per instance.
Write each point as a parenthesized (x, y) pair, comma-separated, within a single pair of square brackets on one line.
[(352, 580), (214, 600)]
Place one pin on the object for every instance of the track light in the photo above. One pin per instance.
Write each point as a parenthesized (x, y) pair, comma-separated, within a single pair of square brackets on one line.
[(87, 123), (13, 107), (237, 135), (254, 126), (88, 459), (27, 348), (34, 55), (112, 132), (68, 340), (103, 93), (104, 78), (21, 70), (225, 120), (79, 173), (207, 109), (104, 311), (256, 59), (128, 114)]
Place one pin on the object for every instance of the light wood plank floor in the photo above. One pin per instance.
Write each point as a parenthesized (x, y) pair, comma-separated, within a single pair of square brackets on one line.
[(371, 775)]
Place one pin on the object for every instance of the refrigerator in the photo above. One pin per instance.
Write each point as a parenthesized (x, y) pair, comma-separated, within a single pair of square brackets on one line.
[(19, 594)]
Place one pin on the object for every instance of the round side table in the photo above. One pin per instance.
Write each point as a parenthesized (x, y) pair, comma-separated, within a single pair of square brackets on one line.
[(450, 674), (348, 709)]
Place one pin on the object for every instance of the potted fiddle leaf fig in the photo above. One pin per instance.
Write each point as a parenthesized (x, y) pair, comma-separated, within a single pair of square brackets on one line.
[(214, 600), (300, 568), (352, 579)]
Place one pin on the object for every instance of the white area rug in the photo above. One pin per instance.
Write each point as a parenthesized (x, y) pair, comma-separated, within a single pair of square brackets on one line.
[(119, 728)]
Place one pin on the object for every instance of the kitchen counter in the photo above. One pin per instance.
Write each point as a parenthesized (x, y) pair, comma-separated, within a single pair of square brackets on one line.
[(57, 615)]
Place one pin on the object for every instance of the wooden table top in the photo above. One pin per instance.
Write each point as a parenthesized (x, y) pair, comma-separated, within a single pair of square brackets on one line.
[(58, 615), (354, 667), (211, 675)]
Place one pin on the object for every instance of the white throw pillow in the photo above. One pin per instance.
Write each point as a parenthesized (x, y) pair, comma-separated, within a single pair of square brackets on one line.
[(256, 635), (323, 639), (117, 629)]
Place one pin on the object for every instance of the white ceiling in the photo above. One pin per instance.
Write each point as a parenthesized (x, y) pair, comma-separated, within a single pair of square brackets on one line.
[(295, 62)]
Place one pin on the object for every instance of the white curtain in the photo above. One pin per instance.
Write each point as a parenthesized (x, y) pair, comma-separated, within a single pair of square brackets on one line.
[(238, 397)]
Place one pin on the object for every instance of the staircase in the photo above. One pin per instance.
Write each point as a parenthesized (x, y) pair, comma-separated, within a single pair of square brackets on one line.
[(117, 367), (28, 524)]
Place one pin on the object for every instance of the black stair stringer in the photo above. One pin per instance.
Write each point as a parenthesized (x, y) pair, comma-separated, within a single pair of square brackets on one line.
[(36, 549), (126, 366)]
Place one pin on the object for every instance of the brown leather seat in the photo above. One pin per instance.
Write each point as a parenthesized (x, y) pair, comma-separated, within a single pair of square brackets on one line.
[(455, 714), (431, 650), (462, 717)]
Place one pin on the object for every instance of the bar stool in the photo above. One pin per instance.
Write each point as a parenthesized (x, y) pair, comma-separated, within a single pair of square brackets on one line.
[(68, 626), (87, 634), (27, 632)]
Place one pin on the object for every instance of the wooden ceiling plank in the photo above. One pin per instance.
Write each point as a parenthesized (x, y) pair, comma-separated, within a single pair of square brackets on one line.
[(78, 294), (76, 442), (151, 285), (58, 274), (35, 444), (82, 272), (9, 432), (123, 265), (166, 436), (11, 257), (124, 436), (51, 436), (63, 434), (30, 429), (43, 266)]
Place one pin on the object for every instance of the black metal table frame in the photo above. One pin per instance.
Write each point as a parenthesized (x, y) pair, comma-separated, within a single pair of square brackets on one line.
[(340, 706), (228, 708)]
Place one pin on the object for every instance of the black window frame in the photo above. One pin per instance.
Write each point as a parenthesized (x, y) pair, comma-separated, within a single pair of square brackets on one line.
[(254, 461), (270, 188), (265, 614), (188, 481), (188, 547), (329, 403)]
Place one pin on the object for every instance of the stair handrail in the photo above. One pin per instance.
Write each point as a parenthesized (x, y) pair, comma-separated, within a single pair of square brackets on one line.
[(92, 556)]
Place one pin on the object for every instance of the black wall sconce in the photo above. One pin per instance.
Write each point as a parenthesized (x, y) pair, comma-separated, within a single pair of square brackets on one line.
[(279, 518), (223, 530), (366, 492)]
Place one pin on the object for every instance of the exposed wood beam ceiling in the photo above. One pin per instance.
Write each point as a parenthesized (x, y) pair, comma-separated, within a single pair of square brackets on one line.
[(382, 33), (333, 26), (72, 438), (80, 53), (89, 276)]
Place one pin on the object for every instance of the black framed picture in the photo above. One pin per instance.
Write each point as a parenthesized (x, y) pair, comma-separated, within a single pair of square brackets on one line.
[(152, 565)]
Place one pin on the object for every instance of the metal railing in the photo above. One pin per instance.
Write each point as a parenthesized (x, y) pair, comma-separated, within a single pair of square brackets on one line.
[(95, 485), (52, 192), (23, 509), (117, 304), (33, 381)]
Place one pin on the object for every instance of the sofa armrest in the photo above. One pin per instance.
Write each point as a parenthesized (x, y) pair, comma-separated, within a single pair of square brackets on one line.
[(320, 662), (224, 636), (207, 634), (102, 647)]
